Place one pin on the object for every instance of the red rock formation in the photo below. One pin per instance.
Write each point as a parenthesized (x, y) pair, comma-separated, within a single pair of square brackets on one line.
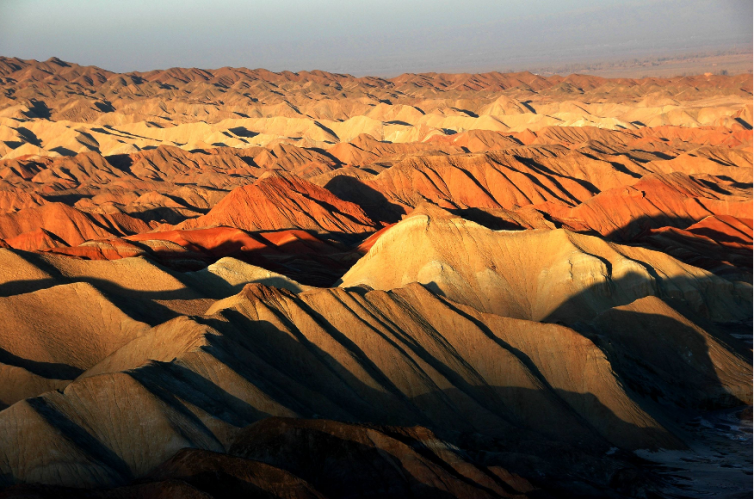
[(281, 201)]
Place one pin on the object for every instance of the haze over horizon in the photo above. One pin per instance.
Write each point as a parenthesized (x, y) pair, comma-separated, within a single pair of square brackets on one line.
[(337, 36)]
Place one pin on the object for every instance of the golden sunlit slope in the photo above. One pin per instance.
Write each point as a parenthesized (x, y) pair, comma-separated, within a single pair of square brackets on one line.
[(550, 275)]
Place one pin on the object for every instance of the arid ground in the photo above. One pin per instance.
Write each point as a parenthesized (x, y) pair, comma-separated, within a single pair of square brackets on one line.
[(240, 283)]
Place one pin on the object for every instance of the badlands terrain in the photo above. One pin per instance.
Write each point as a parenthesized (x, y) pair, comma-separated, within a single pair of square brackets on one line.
[(233, 282)]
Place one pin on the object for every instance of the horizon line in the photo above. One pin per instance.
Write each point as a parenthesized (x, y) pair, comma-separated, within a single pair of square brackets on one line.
[(543, 72)]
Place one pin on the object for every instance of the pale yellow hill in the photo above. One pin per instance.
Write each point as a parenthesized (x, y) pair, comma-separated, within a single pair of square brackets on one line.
[(551, 275)]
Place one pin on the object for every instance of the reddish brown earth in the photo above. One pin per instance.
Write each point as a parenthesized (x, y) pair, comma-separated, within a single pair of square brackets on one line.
[(234, 282)]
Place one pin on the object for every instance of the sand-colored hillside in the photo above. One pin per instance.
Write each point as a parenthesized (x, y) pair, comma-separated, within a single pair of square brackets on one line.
[(550, 275), (235, 107)]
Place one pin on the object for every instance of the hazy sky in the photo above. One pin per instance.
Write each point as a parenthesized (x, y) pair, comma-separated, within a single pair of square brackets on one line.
[(384, 37)]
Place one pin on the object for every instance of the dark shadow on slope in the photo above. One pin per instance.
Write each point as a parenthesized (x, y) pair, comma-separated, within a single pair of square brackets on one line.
[(662, 359), (48, 370), (527, 105), (641, 226), (744, 123), (14, 144), (242, 131), (722, 254), (336, 162), (144, 306), (122, 162), (522, 452), (568, 401), (561, 432), (729, 261), (317, 371), (236, 350), (318, 262), (104, 106), (216, 287), (326, 130), (531, 163), (346, 469), (69, 197), (735, 183), (633, 155), (571, 201), (229, 477), (173, 383), (684, 376), (373, 202), (656, 355), (29, 136), (82, 439), (335, 462), (466, 112), (486, 219), (63, 151), (618, 166), (571, 401), (38, 109), (713, 186), (363, 357), (164, 214), (11, 288)]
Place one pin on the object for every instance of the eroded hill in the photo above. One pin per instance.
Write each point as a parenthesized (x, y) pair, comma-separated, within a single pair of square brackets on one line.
[(314, 285)]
